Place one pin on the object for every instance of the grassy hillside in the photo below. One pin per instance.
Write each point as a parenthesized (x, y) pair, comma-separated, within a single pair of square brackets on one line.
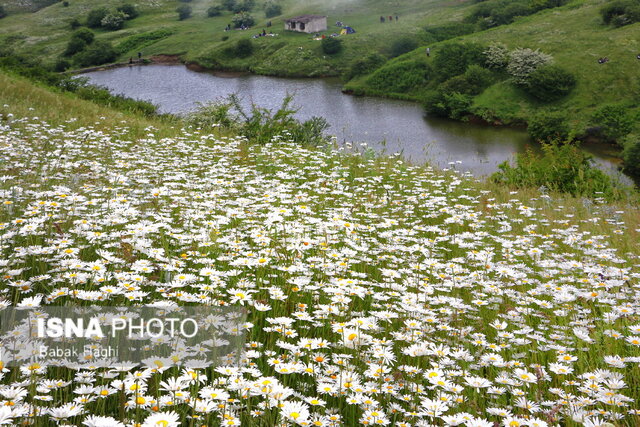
[(44, 34), (573, 34), (376, 293)]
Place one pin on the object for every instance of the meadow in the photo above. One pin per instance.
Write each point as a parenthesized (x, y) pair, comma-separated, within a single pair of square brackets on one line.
[(377, 292)]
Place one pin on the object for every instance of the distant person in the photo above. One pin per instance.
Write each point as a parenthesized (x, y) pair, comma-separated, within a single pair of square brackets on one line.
[(130, 60), (269, 24), (139, 56), (390, 18), (264, 32), (382, 19), (428, 51), (396, 18), (638, 56)]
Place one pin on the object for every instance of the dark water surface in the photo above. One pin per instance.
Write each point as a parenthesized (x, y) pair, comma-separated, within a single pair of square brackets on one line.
[(385, 125)]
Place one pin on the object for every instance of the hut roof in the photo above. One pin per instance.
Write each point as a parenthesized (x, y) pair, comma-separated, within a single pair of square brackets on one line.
[(305, 19)]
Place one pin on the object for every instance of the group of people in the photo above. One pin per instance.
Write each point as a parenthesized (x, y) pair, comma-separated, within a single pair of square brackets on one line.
[(389, 18), (264, 34)]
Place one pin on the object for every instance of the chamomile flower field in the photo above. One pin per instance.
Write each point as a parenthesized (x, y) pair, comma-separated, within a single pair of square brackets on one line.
[(377, 293)]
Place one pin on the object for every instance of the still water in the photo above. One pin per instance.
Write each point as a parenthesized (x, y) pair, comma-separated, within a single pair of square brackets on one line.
[(385, 125)]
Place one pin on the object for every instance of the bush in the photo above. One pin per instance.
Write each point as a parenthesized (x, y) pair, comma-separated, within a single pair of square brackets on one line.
[(621, 12), (548, 127), (244, 6), (75, 23), (472, 82), (243, 48), (331, 45), (453, 59), (631, 157), (366, 65), (129, 10), (455, 105), (402, 46), (65, 3), (184, 12), (114, 20), (401, 77), (550, 82), (523, 62), (229, 4), (214, 11), (61, 65), (98, 53), (496, 56), (614, 121), (74, 46), (84, 34), (562, 167), (242, 19), (95, 17), (272, 10), (3, 12)]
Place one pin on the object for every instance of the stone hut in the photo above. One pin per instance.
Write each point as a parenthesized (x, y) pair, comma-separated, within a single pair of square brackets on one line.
[(306, 23)]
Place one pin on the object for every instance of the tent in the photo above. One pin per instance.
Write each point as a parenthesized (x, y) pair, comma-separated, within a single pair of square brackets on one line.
[(347, 30)]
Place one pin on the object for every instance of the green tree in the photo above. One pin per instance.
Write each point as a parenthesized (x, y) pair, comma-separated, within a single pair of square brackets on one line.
[(95, 16), (549, 126), (550, 82), (614, 121), (272, 9), (114, 20)]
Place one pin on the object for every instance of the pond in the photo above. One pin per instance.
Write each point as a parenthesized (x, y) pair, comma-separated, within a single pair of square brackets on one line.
[(384, 125)]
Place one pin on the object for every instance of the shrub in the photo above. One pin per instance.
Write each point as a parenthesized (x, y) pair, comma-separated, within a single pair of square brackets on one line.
[(614, 121), (472, 82), (366, 65), (65, 3), (75, 23), (61, 65), (242, 18), (129, 10), (229, 4), (3, 12), (548, 127), (523, 62), (244, 6), (84, 34), (95, 17), (184, 12), (453, 59), (98, 53), (631, 157), (214, 11), (259, 124), (455, 105), (550, 82), (402, 46), (272, 9), (114, 20), (621, 12), (243, 48), (331, 45), (562, 167), (496, 56), (74, 46), (401, 77)]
